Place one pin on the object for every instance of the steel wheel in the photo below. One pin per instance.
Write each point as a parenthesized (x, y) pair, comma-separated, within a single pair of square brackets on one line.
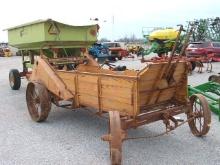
[(38, 101), (116, 137), (199, 109)]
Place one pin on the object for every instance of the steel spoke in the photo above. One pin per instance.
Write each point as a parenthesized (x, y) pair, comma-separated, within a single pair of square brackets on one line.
[(200, 125), (201, 114)]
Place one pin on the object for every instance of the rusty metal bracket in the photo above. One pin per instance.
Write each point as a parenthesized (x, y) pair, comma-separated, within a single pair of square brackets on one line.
[(161, 134), (167, 119)]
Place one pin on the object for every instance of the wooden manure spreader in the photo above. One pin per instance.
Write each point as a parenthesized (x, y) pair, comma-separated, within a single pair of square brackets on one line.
[(132, 98)]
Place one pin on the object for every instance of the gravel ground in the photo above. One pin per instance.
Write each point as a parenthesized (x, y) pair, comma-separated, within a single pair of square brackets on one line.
[(73, 137)]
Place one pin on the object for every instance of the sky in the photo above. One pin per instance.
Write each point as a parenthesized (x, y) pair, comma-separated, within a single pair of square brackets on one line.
[(117, 18)]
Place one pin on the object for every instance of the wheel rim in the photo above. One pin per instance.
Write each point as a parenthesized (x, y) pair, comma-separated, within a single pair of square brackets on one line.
[(201, 114), (38, 101), (11, 79), (34, 101)]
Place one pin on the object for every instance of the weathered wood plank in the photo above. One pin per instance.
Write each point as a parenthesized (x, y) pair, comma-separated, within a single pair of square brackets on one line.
[(90, 88), (116, 82), (166, 94), (70, 84), (87, 78), (115, 91), (116, 106), (87, 100), (67, 75)]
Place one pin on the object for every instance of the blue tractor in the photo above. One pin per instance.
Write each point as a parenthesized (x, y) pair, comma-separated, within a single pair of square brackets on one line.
[(99, 52)]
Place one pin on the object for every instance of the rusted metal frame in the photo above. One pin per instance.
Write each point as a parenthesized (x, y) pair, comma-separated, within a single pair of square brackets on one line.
[(167, 119), (161, 134), (23, 74), (172, 53), (54, 98), (182, 58), (171, 71), (67, 106), (146, 118), (158, 78), (158, 106), (197, 59), (164, 110), (187, 40)]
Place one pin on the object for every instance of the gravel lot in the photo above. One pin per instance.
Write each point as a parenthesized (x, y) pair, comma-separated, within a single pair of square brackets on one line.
[(73, 137)]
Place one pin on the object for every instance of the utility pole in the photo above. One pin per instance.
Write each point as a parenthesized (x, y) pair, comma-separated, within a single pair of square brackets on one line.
[(113, 22)]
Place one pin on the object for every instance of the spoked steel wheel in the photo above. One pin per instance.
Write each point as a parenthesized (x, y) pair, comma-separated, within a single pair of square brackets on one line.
[(38, 101), (199, 109)]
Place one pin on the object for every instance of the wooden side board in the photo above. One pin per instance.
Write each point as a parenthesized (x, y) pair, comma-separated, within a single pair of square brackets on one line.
[(44, 73), (154, 88), (102, 92)]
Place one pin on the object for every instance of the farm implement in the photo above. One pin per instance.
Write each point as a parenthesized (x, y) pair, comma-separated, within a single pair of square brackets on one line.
[(211, 90), (60, 69)]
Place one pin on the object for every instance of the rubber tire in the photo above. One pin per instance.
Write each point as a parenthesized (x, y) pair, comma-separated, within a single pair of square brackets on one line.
[(17, 79), (193, 64)]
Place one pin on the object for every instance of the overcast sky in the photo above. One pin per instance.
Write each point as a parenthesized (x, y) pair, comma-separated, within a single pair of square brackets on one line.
[(130, 16)]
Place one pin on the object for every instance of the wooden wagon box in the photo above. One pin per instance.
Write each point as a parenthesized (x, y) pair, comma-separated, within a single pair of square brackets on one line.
[(45, 33), (128, 91)]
